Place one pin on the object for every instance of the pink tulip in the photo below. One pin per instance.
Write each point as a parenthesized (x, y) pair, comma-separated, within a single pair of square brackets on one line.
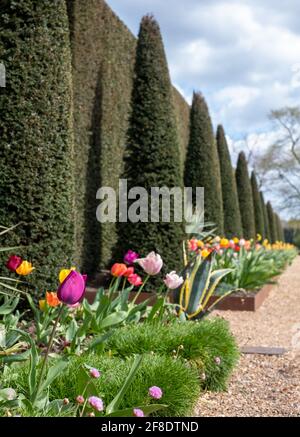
[(173, 281), (135, 280), (152, 264), (71, 290)]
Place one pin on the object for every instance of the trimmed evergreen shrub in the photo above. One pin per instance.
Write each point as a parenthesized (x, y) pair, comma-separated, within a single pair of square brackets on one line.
[(258, 209), (202, 342), (202, 167), (266, 233), (272, 223), (280, 233), (103, 51), (36, 144), (245, 197), (232, 216), (152, 152)]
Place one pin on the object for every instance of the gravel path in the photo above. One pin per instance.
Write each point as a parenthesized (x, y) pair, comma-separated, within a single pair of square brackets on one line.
[(264, 385)]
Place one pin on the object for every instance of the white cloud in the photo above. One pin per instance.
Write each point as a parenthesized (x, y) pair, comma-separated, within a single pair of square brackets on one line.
[(239, 53)]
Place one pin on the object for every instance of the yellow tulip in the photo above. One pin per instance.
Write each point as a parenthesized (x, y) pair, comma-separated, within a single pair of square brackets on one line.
[(205, 253), (224, 243), (25, 268), (64, 273), (200, 244), (42, 304), (236, 240), (258, 237)]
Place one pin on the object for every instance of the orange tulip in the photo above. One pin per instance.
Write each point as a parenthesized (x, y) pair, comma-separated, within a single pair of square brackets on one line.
[(25, 268), (118, 269), (52, 299)]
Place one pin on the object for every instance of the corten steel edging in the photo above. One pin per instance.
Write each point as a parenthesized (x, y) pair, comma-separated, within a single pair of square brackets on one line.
[(231, 302), (244, 303), (91, 292)]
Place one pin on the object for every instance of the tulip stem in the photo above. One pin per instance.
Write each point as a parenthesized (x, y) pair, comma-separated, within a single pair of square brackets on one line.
[(47, 354), (140, 289)]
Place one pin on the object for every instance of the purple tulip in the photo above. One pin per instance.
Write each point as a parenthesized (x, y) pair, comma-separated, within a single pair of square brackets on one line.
[(71, 290), (130, 257)]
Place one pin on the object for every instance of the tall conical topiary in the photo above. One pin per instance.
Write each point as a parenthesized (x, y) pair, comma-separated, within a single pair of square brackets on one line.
[(280, 234), (266, 233), (272, 223), (36, 144), (152, 152), (245, 197), (232, 216), (202, 167), (258, 209)]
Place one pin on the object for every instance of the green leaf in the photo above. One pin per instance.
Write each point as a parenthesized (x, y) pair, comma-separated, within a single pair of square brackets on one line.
[(7, 359), (53, 373), (9, 249), (100, 339), (156, 307), (9, 305), (113, 406), (34, 359), (199, 284), (113, 319), (71, 331)]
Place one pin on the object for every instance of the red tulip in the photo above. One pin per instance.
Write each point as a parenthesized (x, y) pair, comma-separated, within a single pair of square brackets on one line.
[(129, 271), (71, 290), (13, 262)]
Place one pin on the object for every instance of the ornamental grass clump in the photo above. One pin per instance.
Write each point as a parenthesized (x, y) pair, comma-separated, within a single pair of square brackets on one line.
[(198, 342), (159, 381)]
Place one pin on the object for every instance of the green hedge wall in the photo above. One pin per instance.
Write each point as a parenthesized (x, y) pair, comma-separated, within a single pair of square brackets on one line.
[(103, 63), (36, 141)]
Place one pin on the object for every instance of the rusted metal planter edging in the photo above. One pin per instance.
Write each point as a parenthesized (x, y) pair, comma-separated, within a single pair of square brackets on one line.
[(231, 302), (244, 303)]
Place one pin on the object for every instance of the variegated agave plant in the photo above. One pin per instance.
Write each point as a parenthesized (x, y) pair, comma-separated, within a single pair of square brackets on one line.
[(200, 284)]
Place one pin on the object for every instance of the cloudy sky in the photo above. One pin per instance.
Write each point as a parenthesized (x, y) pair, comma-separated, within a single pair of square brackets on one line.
[(243, 55)]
